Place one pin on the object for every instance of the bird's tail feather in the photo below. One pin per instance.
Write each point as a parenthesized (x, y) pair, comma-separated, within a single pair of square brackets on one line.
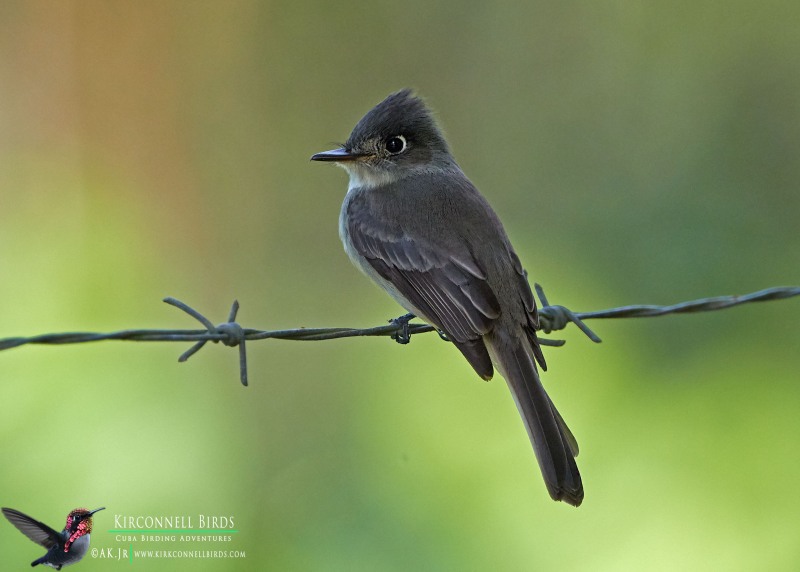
[(553, 443)]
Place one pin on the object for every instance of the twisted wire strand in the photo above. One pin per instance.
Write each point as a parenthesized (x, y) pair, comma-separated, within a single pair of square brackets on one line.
[(230, 333)]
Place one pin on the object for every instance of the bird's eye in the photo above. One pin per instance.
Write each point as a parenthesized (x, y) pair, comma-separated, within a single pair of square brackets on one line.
[(396, 144)]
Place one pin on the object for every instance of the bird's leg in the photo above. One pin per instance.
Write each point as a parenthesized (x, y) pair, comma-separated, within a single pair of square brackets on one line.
[(402, 336)]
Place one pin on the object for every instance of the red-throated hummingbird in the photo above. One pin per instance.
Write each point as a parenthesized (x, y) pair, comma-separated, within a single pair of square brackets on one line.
[(63, 548)]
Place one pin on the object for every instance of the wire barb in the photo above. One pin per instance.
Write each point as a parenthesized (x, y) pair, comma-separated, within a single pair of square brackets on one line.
[(553, 318), (230, 333)]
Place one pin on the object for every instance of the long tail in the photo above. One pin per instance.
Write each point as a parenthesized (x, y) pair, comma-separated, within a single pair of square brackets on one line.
[(553, 443)]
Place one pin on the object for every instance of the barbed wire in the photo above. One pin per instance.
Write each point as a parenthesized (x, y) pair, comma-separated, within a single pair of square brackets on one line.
[(551, 317)]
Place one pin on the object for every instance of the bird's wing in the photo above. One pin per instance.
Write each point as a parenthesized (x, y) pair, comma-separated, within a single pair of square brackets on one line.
[(449, 289), (37, 531)]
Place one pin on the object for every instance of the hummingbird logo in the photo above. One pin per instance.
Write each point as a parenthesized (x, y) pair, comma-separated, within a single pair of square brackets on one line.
[(63, 548)]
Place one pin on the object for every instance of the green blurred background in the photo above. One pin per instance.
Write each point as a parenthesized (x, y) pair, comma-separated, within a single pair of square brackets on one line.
[(637, 152)]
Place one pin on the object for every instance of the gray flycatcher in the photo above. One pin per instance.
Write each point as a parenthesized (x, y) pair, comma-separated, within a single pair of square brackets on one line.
[(416, 225)]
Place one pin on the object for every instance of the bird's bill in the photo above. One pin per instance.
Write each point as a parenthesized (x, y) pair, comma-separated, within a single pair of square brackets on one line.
[(97, 510), (335, 155)]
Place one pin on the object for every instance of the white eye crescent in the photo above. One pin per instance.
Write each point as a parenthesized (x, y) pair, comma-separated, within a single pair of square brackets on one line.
[(396, 144)]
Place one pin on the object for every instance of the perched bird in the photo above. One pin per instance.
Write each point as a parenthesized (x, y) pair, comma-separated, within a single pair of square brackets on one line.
[(415, 224), (63, 548)]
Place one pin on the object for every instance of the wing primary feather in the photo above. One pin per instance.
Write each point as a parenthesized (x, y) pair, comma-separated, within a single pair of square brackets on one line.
[(36, 531)]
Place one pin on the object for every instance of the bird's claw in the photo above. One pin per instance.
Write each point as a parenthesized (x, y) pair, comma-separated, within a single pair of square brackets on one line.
[(402, 335)]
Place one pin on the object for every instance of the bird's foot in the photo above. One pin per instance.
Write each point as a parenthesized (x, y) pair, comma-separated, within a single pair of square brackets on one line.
[(402, 335)]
